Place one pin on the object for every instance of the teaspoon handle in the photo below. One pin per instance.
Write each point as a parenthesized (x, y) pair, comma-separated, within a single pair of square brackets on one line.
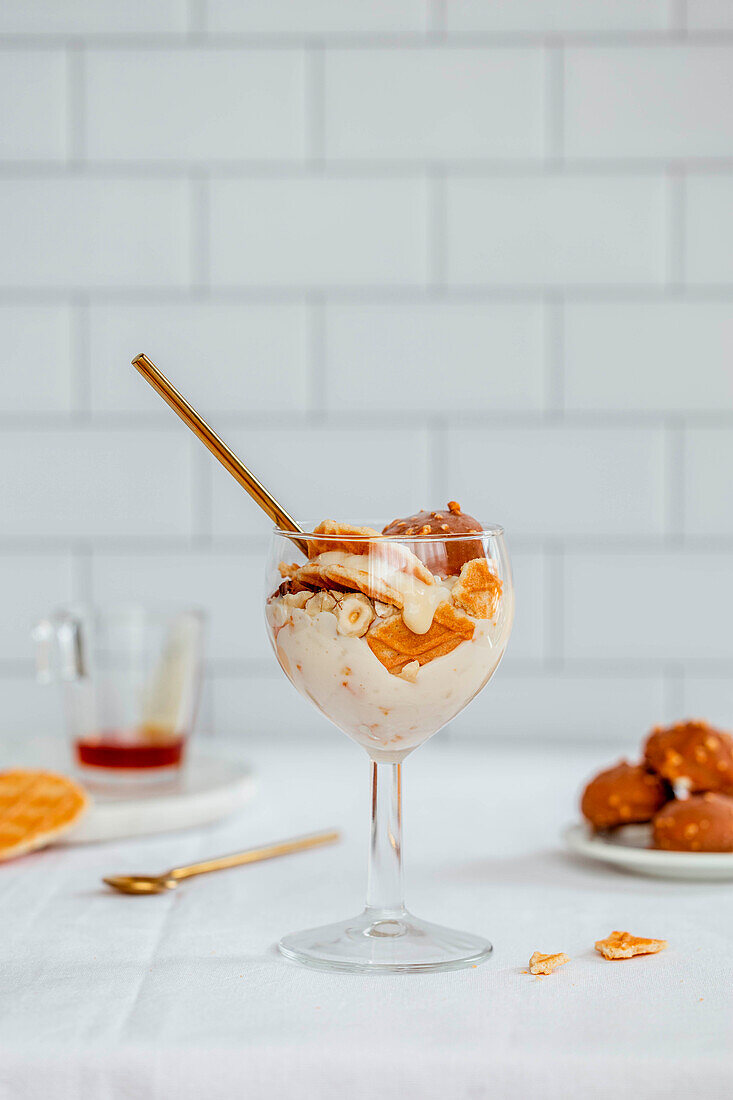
[(217, 446), (253, 855)]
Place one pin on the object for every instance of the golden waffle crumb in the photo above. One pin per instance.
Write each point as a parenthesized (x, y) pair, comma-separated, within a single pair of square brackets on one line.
[(622, 945), (332, 528), (396, 646), (545, 964), (286, 570), (35, 808), (478, 589)]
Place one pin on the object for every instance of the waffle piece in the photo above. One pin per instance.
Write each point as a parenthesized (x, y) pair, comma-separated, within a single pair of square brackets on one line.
[(702, 823), (315, 574), (332, 528), (478, 589), (545, 964), (622, 945), (623, 794), (35, 808), (395, 646), (692, 754), (287, 570), (377, 575)]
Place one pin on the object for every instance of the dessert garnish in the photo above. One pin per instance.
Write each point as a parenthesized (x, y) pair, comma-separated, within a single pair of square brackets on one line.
[(622, 945), (545, 964)]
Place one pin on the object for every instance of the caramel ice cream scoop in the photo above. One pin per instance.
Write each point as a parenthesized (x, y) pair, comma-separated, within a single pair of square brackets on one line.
[(444, 559)]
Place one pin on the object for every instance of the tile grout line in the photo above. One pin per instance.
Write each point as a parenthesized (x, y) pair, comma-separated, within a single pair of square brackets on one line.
[(196, 19), (673, 688), (202, 498), (437, 441), (200, 201), (553, 576), (75, 105), (553, 310), (676, 185), (314, 103), (82, 572), (554, 104), (226, 41), (82, 405), (317, 354), (678, 14), (674, 473), (436, 230)]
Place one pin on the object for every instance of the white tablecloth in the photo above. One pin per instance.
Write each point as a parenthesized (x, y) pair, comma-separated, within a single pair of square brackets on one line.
[(185, 996)]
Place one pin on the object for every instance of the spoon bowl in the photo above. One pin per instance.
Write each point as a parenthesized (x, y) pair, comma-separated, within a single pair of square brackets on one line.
[(142, 884)]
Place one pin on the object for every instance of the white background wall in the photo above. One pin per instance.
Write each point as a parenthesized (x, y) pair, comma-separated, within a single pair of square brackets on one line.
[(399, 252)]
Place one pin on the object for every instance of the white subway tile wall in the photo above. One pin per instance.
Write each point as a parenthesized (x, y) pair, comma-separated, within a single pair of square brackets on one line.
[(399, 253)]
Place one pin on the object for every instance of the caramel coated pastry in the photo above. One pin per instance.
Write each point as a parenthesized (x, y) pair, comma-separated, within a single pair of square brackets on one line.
[(315, 574), (478, 589), (35, 808), (347, 546), (545, 964), (624, 794), (622, 945), (395, 646), (287, 570), (444, 559), (694, 754), (701, 823)]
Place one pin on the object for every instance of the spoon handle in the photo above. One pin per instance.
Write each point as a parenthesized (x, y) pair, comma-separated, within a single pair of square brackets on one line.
[(252, 855), (217, 446)]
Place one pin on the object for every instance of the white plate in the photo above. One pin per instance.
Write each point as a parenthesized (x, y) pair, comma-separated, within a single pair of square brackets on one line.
[(628, 847), (209, 789)]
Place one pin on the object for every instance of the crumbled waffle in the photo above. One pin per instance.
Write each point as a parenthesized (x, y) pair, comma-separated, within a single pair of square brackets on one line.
[(545, 964), (622, 945), (395, 555), (315, 574), (331, 527), (35, 808), (395, 646), (478, 589), (286, 570)]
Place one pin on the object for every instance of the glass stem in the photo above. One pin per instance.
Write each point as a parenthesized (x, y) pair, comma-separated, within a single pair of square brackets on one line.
[(384, 890)]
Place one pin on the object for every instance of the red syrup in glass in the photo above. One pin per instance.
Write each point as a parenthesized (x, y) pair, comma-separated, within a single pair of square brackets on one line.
[(110, 750)]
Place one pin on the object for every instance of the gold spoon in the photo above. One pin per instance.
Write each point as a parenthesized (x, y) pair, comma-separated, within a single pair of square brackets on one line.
[(158, 884), (218, 447)]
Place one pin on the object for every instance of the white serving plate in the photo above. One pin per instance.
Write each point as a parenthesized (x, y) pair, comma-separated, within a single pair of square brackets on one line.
[(628, 847), (208, 790)]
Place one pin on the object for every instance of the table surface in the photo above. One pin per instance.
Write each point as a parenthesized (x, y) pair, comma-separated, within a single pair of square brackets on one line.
[(185, 994)]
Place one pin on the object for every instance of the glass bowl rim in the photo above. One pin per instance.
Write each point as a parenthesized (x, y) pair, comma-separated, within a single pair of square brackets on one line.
[(492, 530)]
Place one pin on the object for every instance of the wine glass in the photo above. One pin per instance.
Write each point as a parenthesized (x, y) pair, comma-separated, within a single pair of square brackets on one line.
[(389, 637)]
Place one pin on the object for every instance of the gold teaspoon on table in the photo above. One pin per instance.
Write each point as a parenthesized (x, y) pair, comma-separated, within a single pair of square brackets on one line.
[(158, 884), (218, 447)]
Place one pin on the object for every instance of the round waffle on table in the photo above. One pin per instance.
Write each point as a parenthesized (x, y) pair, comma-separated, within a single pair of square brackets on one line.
[(35, 808)]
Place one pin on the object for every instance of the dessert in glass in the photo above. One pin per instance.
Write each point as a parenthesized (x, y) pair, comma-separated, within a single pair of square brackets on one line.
[(390, 633)]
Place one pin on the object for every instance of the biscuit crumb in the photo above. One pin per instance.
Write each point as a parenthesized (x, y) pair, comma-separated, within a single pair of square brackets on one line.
[(545, 964), (622, 945)]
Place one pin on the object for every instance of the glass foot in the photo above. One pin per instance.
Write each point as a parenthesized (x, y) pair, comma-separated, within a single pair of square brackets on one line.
[(386, 943)]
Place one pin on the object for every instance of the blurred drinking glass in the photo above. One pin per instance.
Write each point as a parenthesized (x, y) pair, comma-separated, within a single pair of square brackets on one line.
[(131, 680)]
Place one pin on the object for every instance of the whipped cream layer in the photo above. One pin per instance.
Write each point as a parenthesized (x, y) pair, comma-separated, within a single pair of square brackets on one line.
[(386, 714)]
